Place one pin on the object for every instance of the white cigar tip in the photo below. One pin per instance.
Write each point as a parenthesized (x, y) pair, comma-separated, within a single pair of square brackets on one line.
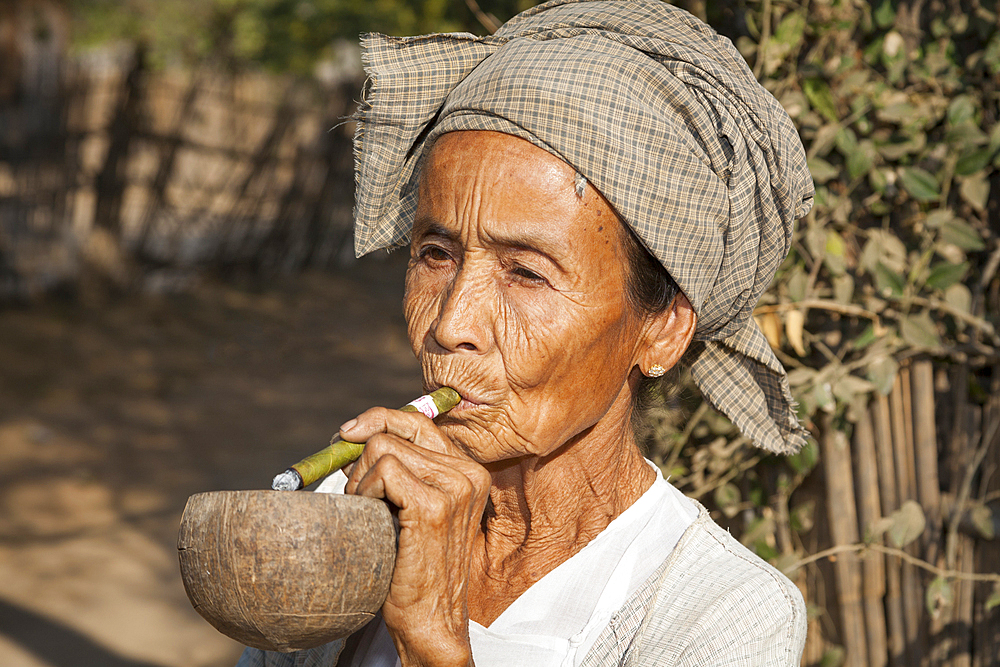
[(287, 481)]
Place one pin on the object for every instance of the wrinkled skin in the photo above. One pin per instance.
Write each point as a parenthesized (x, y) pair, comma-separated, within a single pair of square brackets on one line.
[(515, 296)]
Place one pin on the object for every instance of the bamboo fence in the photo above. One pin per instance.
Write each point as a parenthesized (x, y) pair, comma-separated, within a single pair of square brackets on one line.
[(138, 172), (929, 442)]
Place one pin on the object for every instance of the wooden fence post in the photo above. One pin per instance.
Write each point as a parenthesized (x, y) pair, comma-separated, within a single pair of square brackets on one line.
[(870, 511), (889, 497), (986, 624), (926, 452), (902, 441), (843, 517)]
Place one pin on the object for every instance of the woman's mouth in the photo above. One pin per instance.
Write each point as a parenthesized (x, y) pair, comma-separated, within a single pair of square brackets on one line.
[(465, 404), (470, 400)]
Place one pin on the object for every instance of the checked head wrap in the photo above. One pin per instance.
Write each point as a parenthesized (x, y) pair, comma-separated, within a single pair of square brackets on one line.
[(661, 115)]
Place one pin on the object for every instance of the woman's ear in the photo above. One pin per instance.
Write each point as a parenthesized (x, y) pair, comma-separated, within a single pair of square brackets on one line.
[(669, 334)]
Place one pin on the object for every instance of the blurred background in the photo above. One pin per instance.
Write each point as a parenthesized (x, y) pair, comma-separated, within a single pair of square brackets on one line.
[(180, 309)]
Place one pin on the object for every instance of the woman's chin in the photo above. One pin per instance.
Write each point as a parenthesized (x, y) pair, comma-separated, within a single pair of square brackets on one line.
[(475, 440)]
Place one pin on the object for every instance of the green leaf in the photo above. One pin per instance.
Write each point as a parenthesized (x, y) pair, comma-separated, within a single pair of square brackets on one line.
[(974, 161), (787, 38), (765, 550), (861, 159), (794, 102), (888, 282), (898, 112), (824, 138), (879, 527), (822, 396), (806, 458), (919, 330), (959, 297), (851, 386), (833, 657), (797, 283), (883, 246), (882, 373), (878, 180), (982, 518), (816, 241), (921, 185), (866, 338), (975, 190), (843, 288), (961, 109), (847, 141), (908, 522), (965, 136), (946, 274), (791, 29), (800, 376), (824, 199), (994, 137), (994, 599), (833, 252), (879, 207), (958, 23), (820, 98), (822, 171), (938, 217), (960, 233), (884, 14), (939, 596), (894, 151), (918, 265)]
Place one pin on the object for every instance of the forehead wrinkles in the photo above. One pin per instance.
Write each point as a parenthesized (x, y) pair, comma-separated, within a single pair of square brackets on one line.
[(489, 164), (509, 204)]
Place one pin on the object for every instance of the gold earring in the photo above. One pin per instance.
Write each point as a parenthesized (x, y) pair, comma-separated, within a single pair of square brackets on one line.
[(656, 371)]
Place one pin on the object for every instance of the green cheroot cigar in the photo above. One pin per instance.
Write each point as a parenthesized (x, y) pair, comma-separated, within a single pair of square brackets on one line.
[(340, 452)]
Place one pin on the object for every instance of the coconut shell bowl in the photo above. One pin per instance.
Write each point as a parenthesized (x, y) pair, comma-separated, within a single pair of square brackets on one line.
[(283, 571)]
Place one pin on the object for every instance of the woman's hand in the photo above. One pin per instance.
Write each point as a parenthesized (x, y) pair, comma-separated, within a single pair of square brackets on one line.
[(441, 494)]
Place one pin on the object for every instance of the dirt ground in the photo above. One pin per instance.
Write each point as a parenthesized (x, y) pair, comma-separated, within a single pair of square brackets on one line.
[(112, 415)]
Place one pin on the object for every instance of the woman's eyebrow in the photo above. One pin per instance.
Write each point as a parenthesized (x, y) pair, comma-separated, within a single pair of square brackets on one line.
[(547, 248), (426, 226)]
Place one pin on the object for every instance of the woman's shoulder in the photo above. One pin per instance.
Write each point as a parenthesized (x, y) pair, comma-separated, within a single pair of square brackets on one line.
[(716, 602), (709, 558)]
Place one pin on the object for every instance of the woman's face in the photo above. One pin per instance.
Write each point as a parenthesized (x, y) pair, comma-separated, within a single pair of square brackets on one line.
[(516, 297)]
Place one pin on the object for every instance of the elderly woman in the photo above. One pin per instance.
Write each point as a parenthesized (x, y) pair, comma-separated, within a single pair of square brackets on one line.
[(586, 194)]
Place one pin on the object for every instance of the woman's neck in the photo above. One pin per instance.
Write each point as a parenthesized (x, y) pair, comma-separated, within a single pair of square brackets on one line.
[(542, 511)]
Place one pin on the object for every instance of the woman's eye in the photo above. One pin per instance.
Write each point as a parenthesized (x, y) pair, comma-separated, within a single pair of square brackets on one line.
[(527, 274), (434, 253)]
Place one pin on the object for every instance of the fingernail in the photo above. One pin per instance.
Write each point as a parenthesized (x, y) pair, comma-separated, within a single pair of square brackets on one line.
[(348, 425)]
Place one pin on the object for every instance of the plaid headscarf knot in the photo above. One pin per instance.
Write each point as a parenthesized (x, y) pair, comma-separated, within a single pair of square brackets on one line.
[(661, 115)]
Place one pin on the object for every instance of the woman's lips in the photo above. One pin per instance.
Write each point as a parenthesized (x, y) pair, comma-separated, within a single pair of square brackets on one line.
[(469, 399), (465, 404)]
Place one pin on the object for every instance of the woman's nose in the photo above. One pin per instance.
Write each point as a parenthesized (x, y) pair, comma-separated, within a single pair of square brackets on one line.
[(464, 313)]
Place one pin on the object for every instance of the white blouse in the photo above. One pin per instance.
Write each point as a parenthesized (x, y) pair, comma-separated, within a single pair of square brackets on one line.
[(556, 621)]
